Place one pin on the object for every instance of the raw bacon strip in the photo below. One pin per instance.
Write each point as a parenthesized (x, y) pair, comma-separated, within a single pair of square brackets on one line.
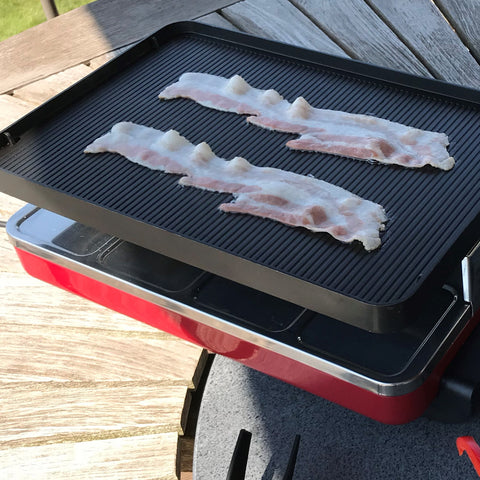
[(351, 135), (287, 197)]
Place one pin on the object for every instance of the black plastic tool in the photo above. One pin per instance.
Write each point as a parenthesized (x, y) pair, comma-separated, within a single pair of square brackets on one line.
[(292, 460), (238, 463)]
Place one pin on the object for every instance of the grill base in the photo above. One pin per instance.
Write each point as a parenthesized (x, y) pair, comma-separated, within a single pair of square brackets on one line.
[(185, 302)]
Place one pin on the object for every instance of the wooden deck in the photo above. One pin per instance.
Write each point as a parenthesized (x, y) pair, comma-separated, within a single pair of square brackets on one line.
[(88, 393)]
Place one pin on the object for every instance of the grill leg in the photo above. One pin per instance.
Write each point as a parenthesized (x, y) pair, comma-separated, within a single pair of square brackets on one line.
[(49, 8)]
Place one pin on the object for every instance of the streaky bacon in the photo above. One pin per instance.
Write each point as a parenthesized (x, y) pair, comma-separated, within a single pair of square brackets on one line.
[(287, 197), (357, 136)]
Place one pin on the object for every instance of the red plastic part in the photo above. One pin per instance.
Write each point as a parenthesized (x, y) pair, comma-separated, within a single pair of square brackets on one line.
[(468, 444), (387, 409)]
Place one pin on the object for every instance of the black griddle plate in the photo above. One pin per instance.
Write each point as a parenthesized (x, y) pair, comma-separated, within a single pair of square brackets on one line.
[(433, 215)]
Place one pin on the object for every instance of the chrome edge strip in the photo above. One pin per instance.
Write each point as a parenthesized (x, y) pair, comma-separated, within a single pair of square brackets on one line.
[(380, 388), (471, 277)]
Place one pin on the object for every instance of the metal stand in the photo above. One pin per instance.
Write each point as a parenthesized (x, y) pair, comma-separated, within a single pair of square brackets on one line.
[(49, 8)]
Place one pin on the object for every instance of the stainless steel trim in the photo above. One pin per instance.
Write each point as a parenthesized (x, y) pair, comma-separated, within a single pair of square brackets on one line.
[(471, 277), (381, 388)]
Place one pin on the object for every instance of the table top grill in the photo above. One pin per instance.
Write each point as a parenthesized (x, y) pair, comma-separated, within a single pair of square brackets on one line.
[(371, 331)]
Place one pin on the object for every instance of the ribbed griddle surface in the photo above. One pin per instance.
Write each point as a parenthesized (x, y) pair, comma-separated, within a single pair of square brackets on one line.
[(428, 209)]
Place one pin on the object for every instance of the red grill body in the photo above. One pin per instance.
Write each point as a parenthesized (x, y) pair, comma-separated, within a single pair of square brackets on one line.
[(262, 351)]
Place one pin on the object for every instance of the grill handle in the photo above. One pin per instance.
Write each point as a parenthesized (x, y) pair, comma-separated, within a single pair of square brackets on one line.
[(471, 277)]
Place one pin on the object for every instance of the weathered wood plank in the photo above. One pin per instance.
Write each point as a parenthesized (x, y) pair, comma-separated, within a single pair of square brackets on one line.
[(434, 41), (69, 413), (97, 62), (186, 453), (140, 457), (361, 33), (12, 108), (92, 30), (9, 205), (31, 302), (41, 91), (216, 20), (463, 15), (33, 414), (41, 354), (10, 265), (279, 20)]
